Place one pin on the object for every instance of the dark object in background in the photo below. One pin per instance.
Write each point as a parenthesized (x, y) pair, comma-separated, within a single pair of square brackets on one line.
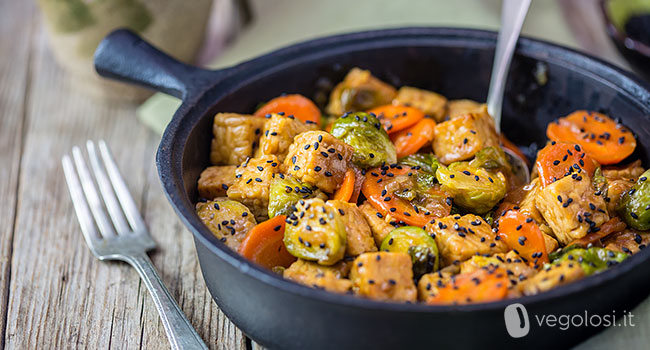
[(280, 314), (638, 28), (628, 25)]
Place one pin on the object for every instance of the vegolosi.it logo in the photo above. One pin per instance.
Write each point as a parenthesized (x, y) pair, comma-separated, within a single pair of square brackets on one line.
[(518, 323)]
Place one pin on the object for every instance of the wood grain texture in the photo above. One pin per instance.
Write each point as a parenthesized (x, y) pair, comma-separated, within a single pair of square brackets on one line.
[(14, 38), (60, 296)]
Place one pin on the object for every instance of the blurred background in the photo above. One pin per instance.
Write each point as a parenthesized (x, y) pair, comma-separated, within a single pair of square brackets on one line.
[(221, 33)]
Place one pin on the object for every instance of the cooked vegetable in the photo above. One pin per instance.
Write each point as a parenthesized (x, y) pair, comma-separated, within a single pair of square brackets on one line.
[(278, 133), (363, 132), (344, 193), (359, 91), (413, 138), (429, 102), (480, 286), (215, 180), (593, 259), (571, 208), (560, 159), (390, 191), (315, 232), (359, 236), (461, 237), (491, 158), (285, 192), (330, 278), (230, 221), (457, 220), (416, 242), (425, 162), (460, 138), (263, 244), (602, 138), (475, 189), (384, 276), (318, 158), (634, 206), (396, 117), (292, 105), (235, 138), (522, 235), (252, 182)]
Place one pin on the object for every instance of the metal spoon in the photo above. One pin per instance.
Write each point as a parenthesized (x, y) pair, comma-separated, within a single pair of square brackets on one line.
[(513, 13)]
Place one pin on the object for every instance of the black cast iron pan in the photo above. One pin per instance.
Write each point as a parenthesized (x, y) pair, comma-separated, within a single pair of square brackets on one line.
[(455, 62)]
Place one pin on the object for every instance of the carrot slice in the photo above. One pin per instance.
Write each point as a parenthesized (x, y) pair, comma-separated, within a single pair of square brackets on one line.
[(264, 246), (376, 188), (411, 139), (521, 234), (602, 138), (297, 105), (397, 117), (344, 193), (480, 286), (560, 159)]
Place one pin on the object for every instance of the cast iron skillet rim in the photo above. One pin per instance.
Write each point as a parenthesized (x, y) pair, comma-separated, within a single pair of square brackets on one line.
[(176, 134)]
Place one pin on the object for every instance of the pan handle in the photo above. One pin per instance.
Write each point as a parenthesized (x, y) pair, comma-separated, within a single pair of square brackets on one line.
[(125, 56)]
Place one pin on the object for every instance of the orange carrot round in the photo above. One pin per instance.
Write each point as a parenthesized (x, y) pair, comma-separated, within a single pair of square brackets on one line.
[(482, 285), (602, 138), (559, 159), (521, 234), (397, 117), (297, 105), (344, 193), (411, 139), (263, 244)]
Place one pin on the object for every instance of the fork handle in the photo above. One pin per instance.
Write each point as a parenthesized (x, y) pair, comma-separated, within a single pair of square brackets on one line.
[(179, 330)]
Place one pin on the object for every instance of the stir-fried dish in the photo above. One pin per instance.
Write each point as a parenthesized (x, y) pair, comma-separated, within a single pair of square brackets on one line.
[(402, 195)]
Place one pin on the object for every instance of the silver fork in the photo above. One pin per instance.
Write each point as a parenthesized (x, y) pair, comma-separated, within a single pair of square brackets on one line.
[(125, 236)]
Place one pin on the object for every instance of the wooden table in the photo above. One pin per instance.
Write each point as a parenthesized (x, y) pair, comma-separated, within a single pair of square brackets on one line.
[(53, 293)]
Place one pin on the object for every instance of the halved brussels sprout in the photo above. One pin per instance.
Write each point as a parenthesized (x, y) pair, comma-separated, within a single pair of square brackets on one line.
[(491, 158), (425, 162), (416, 242), (475, 189), (286, 191), (634, 206), (364, 133), (599, 181), (315, 232), (593, 259)]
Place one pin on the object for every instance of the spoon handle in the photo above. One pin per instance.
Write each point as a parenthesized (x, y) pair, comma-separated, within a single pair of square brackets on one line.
[(513, 14)]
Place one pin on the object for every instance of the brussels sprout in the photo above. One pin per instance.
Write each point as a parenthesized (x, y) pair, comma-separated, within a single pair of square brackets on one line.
[(364, 133), (228, 220), (286, 191), (475, 189), (315, 232), (593, 259), (634, 206), (417, 243), (425, 162), (491, 158)]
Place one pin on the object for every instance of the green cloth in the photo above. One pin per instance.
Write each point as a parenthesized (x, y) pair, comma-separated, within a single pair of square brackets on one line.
[(279, 23)]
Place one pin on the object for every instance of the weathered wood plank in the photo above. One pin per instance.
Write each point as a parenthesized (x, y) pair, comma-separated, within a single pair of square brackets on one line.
[(60, 295), (15, 32)]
